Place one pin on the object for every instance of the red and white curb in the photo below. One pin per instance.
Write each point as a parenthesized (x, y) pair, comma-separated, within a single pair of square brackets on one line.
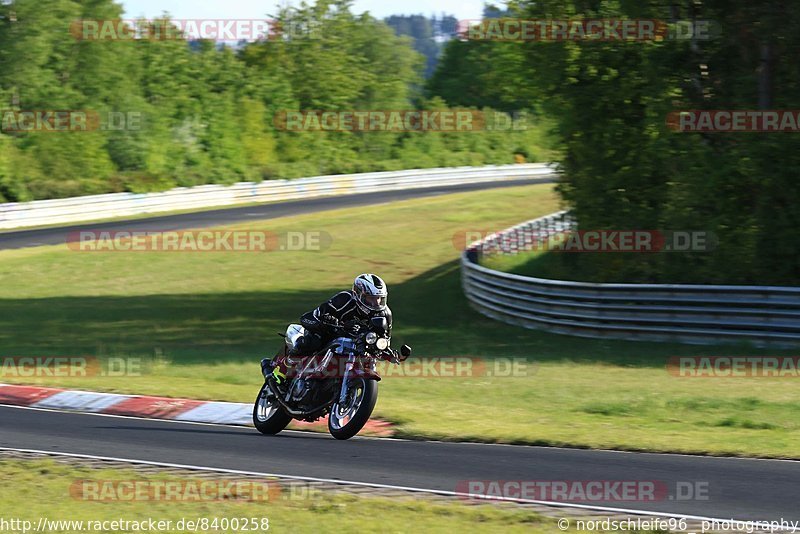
[(195, 411)]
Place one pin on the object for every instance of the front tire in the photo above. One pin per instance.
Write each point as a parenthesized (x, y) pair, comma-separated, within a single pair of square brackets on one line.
[(344, 422), (269, 416)]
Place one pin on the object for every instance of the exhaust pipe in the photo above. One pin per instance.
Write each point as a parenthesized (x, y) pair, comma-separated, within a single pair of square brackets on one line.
[(294, 413)]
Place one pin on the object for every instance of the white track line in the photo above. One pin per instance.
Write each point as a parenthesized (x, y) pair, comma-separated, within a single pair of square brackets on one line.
[(374, 485)]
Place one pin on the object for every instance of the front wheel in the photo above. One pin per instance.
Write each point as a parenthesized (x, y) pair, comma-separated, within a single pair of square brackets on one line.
[(268, 415), (345, 421)]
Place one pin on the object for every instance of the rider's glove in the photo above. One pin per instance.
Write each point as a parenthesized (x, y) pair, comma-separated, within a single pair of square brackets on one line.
[(330, 320)]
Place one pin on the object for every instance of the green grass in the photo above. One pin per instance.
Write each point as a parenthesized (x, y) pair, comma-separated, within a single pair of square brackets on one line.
[(203, 321), (34, 489), (559, 265)]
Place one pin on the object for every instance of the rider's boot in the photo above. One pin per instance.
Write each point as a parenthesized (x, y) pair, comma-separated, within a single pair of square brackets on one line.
[(279, 376), (272, 369), (267, 365), (280, 368)]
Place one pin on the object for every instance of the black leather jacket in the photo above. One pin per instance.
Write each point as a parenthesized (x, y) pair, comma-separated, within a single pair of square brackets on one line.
[(344, 308)]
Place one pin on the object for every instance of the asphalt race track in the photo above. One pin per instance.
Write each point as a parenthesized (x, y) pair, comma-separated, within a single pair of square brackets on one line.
[(737, 488), (205, 219)]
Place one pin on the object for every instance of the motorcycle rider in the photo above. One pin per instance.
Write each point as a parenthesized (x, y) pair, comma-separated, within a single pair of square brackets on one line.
[(366, 300)]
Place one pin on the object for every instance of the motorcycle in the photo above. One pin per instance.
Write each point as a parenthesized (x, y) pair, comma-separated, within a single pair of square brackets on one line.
[(340, 380)]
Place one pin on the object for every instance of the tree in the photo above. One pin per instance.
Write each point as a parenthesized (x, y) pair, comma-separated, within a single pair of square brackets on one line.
[(624, 169)]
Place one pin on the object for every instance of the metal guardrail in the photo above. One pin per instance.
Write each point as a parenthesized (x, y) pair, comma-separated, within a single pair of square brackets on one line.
[(81, 209), (761, 315)]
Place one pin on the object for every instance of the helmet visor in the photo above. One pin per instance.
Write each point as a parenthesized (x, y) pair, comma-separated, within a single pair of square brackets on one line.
[(373, 302)]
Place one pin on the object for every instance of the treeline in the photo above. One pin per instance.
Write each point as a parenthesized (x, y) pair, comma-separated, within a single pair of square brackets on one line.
[(431, 34), (623, 167), (428, 35), (207, 110)]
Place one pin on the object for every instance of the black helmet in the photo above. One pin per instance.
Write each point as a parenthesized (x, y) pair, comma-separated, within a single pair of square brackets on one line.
[(371, 292)]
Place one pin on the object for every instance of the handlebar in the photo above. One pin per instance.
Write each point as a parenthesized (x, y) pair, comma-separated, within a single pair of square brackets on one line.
[(355, 327)]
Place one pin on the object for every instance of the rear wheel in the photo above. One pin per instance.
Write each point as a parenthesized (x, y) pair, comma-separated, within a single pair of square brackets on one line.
[(347, 420), (269, 416)]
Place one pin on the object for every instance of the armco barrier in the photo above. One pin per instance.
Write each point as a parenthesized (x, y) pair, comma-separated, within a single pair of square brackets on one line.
[(80, 209), (684, 313)]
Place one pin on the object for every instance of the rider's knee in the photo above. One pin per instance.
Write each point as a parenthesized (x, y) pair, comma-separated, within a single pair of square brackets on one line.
[(308, 344)]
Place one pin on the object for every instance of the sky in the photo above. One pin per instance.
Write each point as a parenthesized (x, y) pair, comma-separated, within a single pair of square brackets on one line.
[(256, 9)]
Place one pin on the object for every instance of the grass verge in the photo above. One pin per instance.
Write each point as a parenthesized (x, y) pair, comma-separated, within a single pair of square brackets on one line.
[(31, 490)]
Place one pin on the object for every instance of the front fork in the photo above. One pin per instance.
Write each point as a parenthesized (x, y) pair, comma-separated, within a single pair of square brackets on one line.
[(348, 371)]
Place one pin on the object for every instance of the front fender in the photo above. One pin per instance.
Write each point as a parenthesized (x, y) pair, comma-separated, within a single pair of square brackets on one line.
[(366, 374)]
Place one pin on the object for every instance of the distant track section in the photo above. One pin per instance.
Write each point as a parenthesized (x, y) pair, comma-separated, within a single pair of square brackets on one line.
[(79, 210), (205, 219)]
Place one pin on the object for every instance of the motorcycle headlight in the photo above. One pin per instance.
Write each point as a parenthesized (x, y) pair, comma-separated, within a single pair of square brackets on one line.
[(372, 337), (382, 343)]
